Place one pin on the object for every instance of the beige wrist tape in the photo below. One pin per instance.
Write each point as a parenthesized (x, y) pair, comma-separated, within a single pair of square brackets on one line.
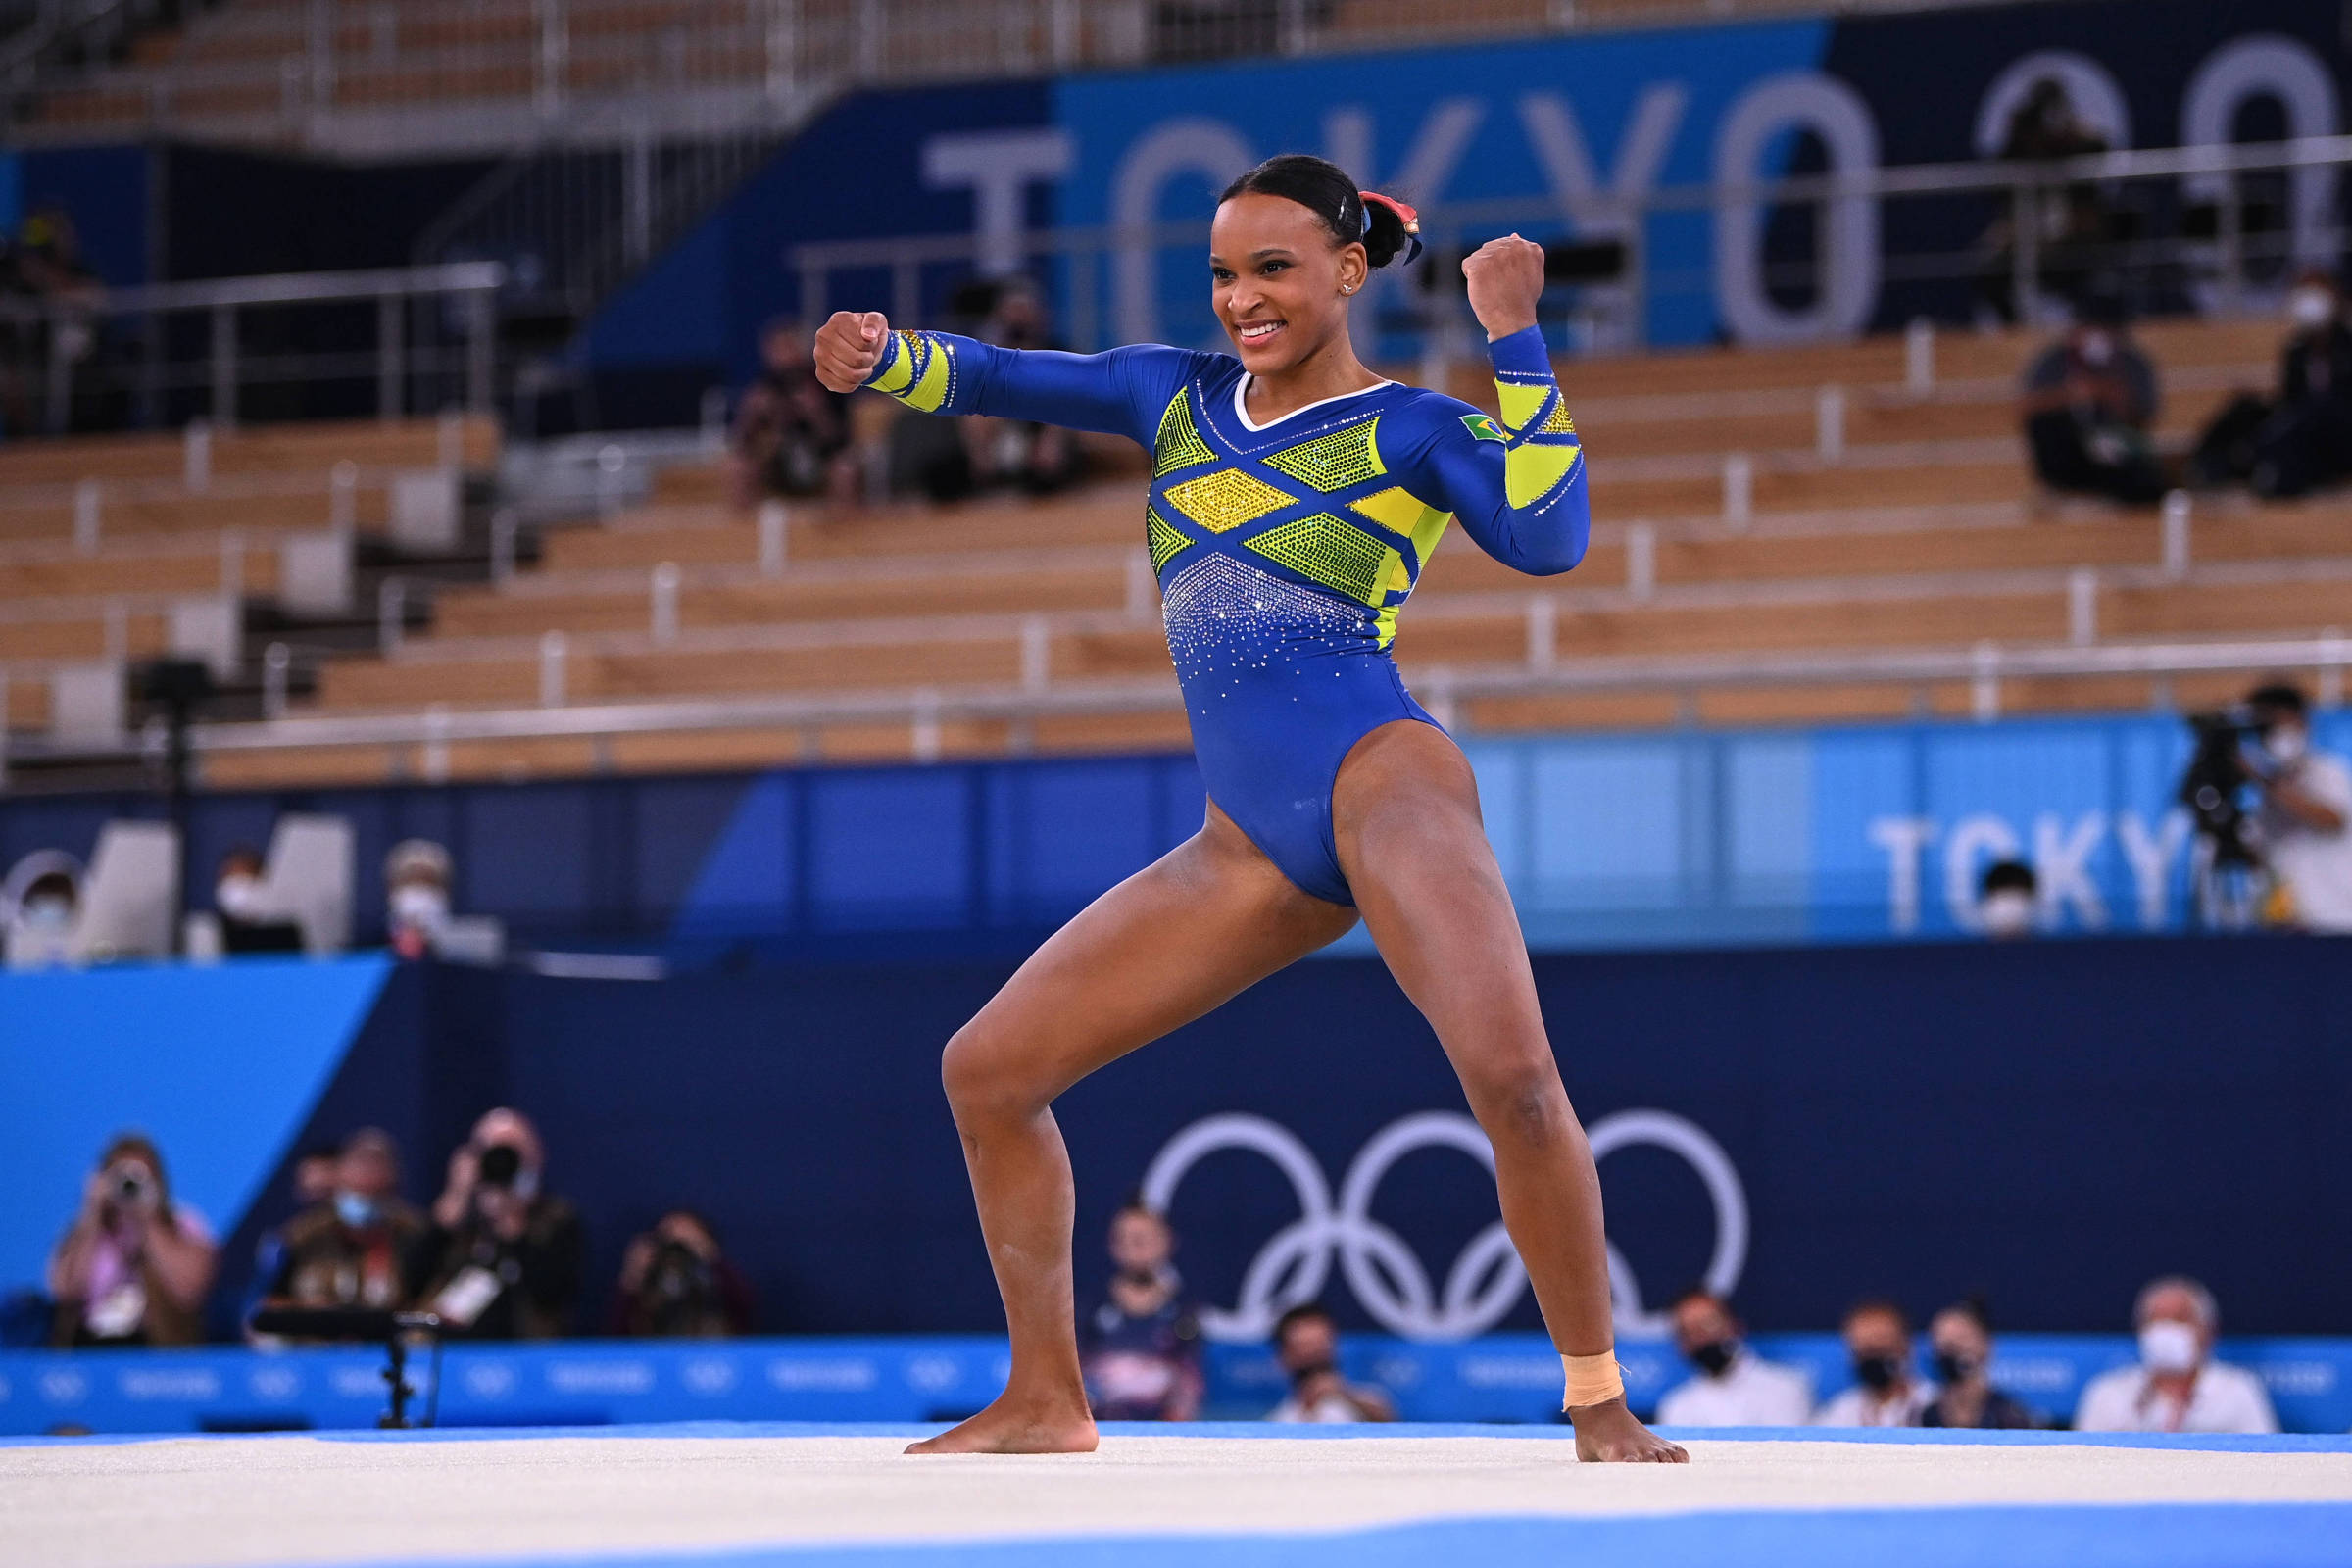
[(1591, 1380)]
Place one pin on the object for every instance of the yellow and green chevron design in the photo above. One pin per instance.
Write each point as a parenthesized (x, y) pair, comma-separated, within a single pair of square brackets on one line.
[(1225, 500), (921, 374), (1179, 445), (1162, 539), (1543, 451), (1333, 462), (1335, 554)]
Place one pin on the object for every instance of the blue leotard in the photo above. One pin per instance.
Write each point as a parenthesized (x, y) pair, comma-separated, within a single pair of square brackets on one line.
[(1285, 550)]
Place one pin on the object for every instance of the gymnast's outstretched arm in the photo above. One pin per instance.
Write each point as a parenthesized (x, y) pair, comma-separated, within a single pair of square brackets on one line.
[(1122, 392), (1518, 489)]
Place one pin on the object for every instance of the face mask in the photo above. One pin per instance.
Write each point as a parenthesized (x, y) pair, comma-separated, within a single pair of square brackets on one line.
[(2166, 1345), (1952, 1367), (2286, 743), (1714, 1355), (238, 897), (2008, 912), (418, 905), (47, 916), (2097, 349), (2311, 306), (354, 1209), (1877, 1373)]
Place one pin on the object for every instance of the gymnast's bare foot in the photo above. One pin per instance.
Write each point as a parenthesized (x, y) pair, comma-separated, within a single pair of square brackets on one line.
[(1608, 1434), (1021, 1426)]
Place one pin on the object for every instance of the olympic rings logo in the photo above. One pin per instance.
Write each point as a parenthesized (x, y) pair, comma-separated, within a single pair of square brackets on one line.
[(1382, 1271)]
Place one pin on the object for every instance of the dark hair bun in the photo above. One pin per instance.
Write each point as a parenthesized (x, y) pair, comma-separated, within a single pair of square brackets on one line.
[(1385, 236)]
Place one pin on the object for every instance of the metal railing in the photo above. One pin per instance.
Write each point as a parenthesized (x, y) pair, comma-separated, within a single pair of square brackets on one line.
[(570, 223), (2201, 237), (365, 76), (421, 742), (175, 351)]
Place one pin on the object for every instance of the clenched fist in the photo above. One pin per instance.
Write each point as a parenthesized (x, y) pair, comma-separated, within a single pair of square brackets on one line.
[(849, 346), (1505, 276)]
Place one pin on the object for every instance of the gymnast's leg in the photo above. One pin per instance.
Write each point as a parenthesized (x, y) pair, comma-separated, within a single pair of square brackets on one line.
[(1210, 919), (1405, 813)]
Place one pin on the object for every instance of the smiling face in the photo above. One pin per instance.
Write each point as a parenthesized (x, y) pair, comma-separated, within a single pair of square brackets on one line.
[(1277, 281)]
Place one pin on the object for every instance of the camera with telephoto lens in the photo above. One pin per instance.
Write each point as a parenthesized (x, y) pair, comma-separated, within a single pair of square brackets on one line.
[(680, 1292), (2213, 785), (500, 1165)]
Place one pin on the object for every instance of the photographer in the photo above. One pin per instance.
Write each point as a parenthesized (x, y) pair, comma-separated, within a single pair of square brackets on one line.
[(676, 1284), (134, 1268), (501, 1260), (1307, 1345), (347, 1249), (2305, 808)]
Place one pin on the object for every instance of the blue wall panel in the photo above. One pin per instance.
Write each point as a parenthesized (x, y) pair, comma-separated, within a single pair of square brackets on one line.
[(220, 1066), (2050, 1123), (1684, 838)]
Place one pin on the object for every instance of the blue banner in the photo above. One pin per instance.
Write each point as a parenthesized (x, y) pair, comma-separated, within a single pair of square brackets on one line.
[(1507, 1378), (1577, 130)]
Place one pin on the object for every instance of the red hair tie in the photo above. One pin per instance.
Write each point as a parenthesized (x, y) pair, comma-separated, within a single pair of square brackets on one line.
[(1410, 219)]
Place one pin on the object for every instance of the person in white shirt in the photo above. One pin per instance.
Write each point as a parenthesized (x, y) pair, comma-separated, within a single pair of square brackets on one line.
[(1307, 1345), (1886, 1393), (2176, 1386), (2306, 814), (1735, 1387)]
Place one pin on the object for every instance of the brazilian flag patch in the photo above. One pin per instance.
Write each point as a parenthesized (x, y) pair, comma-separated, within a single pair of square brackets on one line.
[(1484, 428)]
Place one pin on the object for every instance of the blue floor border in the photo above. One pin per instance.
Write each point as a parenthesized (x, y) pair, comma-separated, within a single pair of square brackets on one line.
[(2213, 1442), (2062, 1536)]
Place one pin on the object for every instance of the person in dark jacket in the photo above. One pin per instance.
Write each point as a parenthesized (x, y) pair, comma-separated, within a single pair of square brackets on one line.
[(1962, 1342), (2302, 439), (501, 1258)]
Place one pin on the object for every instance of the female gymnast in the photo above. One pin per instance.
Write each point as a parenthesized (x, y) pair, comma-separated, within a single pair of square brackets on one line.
[(1295, 499)]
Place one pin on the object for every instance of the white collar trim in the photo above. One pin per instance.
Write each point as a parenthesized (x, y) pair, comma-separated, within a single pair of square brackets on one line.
[(1240, 407)]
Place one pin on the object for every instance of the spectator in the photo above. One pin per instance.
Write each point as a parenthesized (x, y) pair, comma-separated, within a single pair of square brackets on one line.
[(134, 1266), (1962, 1341), (676, 1284), (1306, 1342), (1143, 1345), (2069, 223), (1878, 1336), (2089, 401), (501, 1258), (791, 435), (242, 897), (2176, 1386), (40, 926), (2005, 900), (349, 1249), (2303, 439), (2305, 814), (47, 264), (417, 896), (1735, 1387), (1038, 458)]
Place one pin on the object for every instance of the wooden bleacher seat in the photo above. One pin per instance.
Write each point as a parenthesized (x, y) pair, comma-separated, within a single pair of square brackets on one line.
[(1928, 534)]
